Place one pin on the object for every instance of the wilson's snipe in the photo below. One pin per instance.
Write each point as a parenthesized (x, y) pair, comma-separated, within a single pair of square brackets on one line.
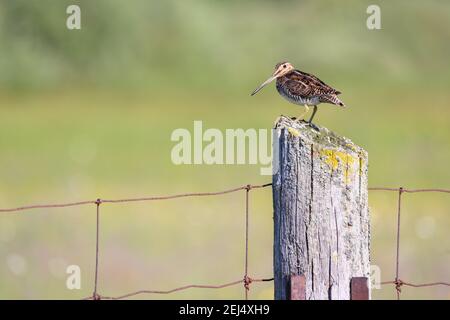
[(302, 88)]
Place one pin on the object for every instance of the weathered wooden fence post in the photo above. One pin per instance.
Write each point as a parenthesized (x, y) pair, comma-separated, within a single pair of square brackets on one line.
[(321, 214)]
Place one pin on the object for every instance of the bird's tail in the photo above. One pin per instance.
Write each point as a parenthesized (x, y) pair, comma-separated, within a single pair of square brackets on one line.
[(333, 99)]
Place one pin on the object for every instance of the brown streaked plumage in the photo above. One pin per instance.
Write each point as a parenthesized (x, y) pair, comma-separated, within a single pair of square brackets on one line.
[(302, 88)]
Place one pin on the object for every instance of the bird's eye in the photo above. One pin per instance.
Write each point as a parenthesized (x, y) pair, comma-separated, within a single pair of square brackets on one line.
[(284, 66)]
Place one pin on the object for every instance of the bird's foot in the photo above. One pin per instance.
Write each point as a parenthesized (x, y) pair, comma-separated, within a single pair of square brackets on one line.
[(312, 125), (308, 123), (298, 120)]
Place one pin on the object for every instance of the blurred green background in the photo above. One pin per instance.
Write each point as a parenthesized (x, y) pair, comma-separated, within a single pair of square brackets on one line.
[(89, 113)]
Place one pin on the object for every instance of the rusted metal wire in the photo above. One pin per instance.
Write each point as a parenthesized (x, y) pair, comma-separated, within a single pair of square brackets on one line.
[(190, 286), (421, 285), (246, 281), (397, 259), (151, 198), (397, 282), (409, 190), (48, 206), (95, 295)]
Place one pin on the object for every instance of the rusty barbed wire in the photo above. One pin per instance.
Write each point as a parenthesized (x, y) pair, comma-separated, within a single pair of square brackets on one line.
[(152, 198), (408, 190), (96, 296), (189, 286), (246, 281), (48, 206), (398, 282), (421, 285)]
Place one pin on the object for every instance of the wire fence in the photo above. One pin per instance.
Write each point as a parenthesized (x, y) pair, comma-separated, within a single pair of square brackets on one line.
[(398, 282), (245, 280)]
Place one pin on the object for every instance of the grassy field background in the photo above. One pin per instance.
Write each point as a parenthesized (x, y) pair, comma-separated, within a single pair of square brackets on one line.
[(89, 113)]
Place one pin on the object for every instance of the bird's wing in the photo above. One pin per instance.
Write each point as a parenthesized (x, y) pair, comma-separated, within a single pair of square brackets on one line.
[(296, 86), (308, 84)]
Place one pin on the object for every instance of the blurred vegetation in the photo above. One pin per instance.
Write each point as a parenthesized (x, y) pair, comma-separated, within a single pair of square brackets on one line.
[(158, 43), (88, 113)]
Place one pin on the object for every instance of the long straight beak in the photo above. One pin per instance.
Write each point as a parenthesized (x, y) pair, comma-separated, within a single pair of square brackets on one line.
[(265, 83)]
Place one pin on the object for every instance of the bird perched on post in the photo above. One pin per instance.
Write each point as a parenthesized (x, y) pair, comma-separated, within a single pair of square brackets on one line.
[(302, 88)]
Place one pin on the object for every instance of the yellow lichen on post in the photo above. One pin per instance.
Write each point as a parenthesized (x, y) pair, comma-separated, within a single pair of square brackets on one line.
[(294, 132), (334, 157)]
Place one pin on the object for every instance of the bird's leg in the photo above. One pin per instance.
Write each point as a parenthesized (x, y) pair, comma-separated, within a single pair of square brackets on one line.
[(305, 112), (310, 119), (313, 114)]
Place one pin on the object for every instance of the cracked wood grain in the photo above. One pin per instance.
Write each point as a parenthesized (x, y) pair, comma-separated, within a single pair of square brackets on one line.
[(321, 215)]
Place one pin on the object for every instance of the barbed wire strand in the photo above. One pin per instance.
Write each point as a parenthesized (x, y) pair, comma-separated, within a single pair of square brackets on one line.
[(95, 295), (190, 286), (151, 198), (397, 282), (397, 259), (409, 190), (421, 285), (48, 206), (246, 280)]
